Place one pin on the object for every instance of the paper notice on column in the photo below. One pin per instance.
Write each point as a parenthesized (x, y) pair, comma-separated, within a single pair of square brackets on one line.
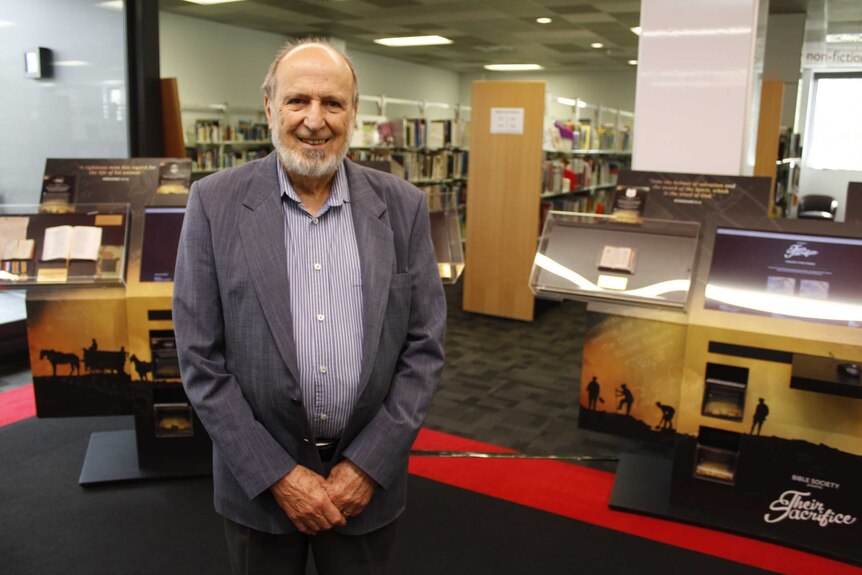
[(507, 120), (72, 242)]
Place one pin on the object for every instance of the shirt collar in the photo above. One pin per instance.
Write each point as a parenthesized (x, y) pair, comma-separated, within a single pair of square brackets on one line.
[(339, 193)]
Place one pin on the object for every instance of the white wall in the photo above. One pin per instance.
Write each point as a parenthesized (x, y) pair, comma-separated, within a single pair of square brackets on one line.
[(80, 112), (398, 79), (215, 63), (611, 89), (220, 64)]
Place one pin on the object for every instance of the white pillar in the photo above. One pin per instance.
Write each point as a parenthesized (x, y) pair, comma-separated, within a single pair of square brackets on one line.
[(694, 85)]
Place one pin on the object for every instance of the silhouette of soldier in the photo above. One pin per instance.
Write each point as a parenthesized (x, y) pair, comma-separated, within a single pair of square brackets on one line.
[(760, 413), (627, 398), (94, 346), (667, 413), (593, 389)]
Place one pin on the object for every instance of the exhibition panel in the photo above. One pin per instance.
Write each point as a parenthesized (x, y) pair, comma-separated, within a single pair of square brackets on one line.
[(755, 382), (112, 351)]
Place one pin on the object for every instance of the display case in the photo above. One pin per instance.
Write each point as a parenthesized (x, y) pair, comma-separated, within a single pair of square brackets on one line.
[(82, 245), (446, 235), (601, 257)]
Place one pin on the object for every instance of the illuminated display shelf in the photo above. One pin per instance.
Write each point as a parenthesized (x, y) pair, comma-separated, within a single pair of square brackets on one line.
[(595, 257)]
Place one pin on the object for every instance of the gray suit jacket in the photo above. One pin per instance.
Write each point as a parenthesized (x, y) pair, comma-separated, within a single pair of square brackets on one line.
[(232, 318)]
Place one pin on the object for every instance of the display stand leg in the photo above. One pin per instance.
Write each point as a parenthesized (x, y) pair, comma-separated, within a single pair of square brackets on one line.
[(112, 456)]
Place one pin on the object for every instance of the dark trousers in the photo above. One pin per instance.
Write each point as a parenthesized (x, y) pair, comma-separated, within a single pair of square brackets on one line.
[(254, 552)]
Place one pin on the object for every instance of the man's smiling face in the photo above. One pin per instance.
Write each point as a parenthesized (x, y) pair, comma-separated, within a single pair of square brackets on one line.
[(312, 111)]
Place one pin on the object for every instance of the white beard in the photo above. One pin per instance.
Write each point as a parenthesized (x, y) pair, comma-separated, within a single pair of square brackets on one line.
[(308, 163)]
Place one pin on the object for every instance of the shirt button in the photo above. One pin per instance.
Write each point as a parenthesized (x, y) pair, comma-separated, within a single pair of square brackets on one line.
[(314, 221), (324, 417), (322, 369), (317, 266), (320, 317)]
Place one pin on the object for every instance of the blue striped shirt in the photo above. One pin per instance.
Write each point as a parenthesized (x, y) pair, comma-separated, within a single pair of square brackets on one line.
[(326, 303)]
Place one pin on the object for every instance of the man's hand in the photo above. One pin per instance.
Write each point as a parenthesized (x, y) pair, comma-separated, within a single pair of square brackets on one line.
[(302, 496), (349, 488)]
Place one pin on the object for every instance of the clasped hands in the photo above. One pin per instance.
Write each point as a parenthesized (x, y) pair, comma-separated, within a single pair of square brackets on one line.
[(315, 503)]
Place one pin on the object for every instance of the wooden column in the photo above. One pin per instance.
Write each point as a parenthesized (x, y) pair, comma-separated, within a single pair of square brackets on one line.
[(769, 131), (503, 201)]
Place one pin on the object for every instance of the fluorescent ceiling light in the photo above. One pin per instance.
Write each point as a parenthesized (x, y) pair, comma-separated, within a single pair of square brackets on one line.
[(597, 45), (71, 63), (413, 41), (637, 30), (7, 24), (111, 5), (843, 38), (572, 102), (633, 62), (513, 67), (208, 2), (544, 20)]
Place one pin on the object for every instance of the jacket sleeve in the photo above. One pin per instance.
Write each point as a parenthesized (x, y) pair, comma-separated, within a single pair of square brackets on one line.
[(254, 457), (382, 448)]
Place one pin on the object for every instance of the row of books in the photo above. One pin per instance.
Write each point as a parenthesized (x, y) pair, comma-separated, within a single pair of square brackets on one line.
[(596, 202), (417, 166), (561, 176), (212, 131), (210, 159), (571, 137), (411, 133)]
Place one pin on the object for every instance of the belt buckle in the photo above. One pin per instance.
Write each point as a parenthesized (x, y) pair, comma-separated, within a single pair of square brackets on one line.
[(325, 443)]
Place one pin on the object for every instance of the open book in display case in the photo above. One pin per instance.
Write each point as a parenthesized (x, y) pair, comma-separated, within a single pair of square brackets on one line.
[(85, 244)]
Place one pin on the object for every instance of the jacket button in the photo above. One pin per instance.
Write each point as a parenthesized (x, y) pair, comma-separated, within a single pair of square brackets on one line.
[(296, 401)]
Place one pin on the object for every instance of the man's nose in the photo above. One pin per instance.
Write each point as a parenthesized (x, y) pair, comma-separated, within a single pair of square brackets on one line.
[(314, 118)]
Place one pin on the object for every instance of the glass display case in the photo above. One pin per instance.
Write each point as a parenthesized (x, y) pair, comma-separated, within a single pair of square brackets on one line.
[(80, 245), (601, 257), (446, 234)]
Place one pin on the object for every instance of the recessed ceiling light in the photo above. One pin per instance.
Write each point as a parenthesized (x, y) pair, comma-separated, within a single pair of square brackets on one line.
[(637, 30), (513, 67), (207, 2), (544, 20), (413, 41), (597, 45), (633, 62)]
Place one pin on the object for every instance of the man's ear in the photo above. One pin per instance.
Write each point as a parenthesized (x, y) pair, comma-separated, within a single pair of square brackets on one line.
[(267, 111)]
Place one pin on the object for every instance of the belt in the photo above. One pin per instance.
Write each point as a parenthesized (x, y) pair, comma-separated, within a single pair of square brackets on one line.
[(326, 448)]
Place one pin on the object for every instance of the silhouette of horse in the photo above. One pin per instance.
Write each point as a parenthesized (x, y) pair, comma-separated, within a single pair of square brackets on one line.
[(58, 357), (142, 367)]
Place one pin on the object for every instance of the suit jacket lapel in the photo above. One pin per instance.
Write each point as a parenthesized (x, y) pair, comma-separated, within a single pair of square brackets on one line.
[(377, 258), (262, 234)]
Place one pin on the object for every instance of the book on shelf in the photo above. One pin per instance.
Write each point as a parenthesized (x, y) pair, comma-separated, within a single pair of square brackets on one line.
[(71, 243)]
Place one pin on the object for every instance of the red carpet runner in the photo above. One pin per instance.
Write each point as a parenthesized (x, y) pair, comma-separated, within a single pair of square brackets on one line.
[(581, 493), (17, 404), (564, 489)]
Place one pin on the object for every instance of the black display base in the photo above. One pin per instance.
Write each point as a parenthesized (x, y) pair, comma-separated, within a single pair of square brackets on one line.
[(112, 456), (643, 485)]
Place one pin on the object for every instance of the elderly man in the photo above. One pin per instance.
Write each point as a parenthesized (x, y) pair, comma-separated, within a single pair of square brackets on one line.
[(309, 319)]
